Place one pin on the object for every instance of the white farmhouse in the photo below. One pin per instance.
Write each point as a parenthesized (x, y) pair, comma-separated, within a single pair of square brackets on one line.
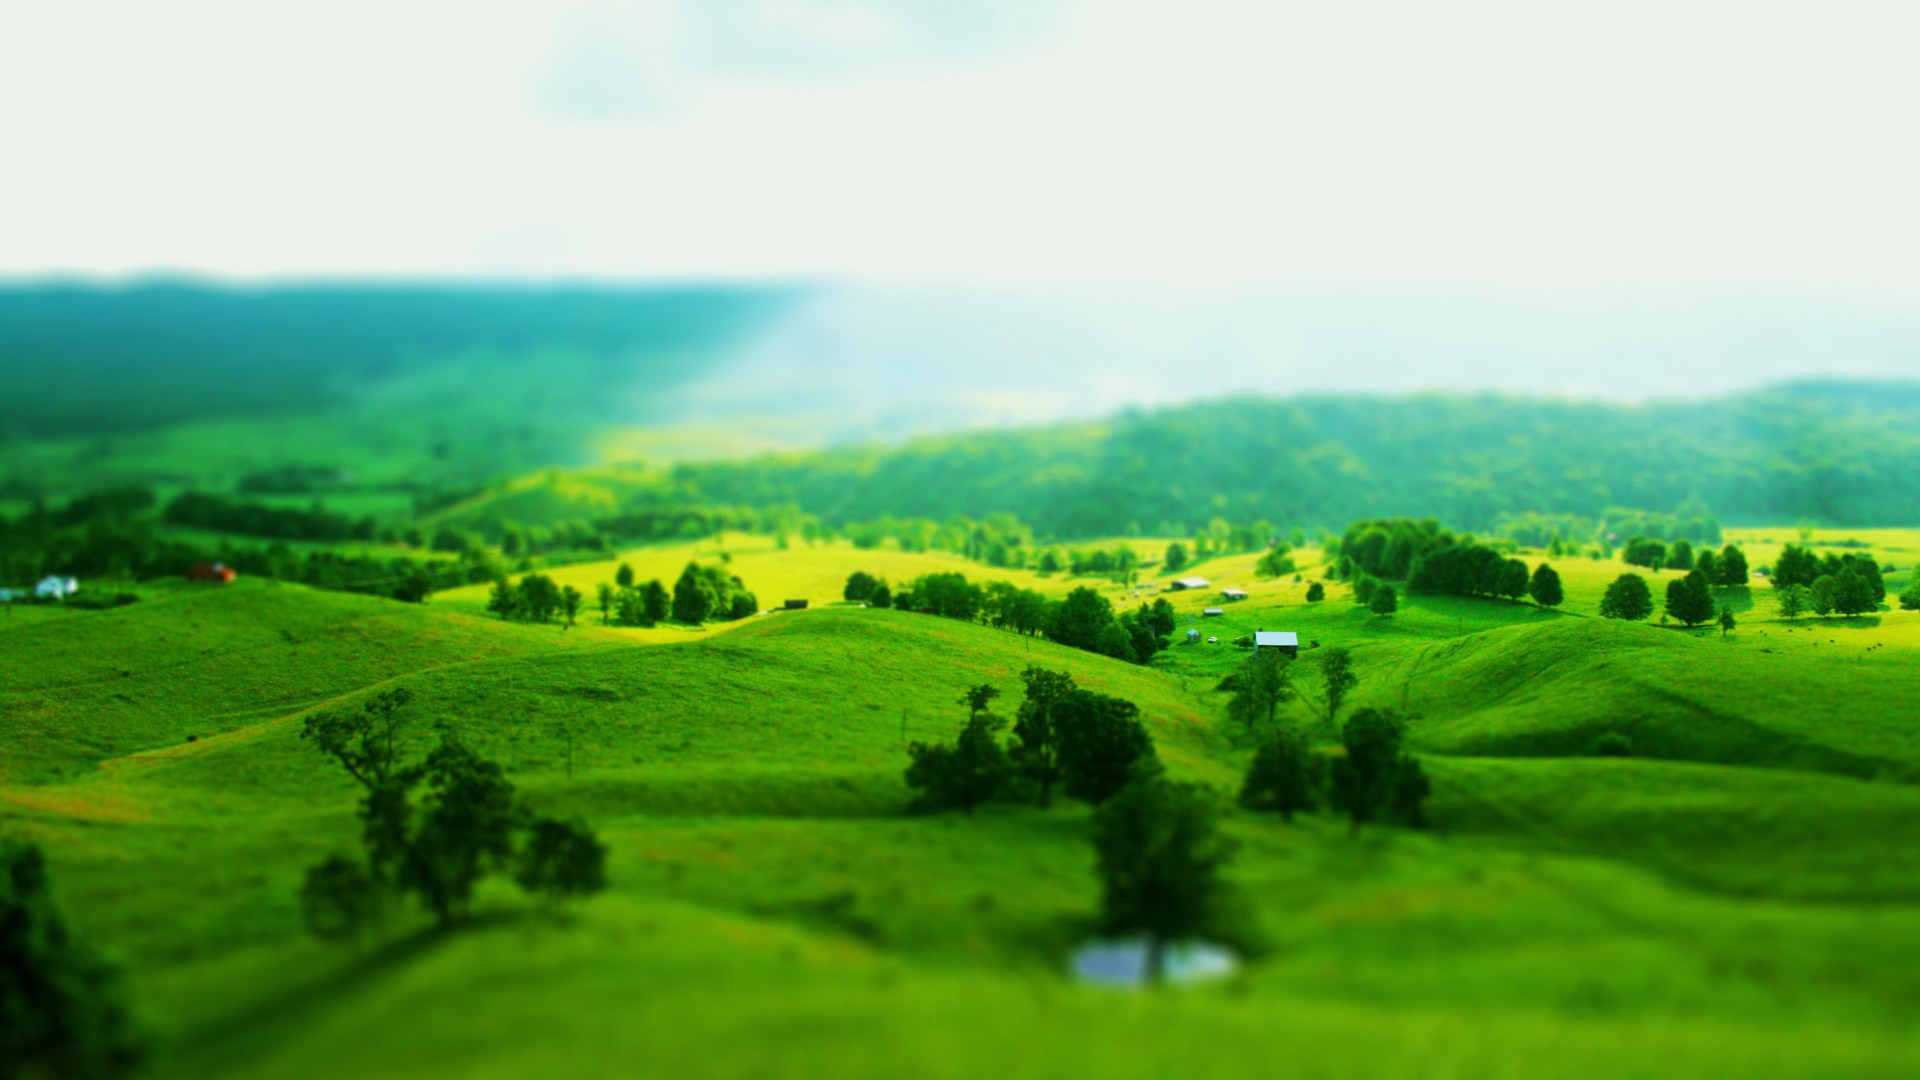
[(1178, 584), (54, 587)]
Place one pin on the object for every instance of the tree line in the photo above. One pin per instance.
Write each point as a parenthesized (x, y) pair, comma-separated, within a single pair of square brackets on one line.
[(1083, 619)]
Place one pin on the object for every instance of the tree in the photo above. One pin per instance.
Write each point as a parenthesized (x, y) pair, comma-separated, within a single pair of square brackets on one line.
[(1853, 592), (539, 597), (1102, 744), (1732, 566), (339, 900), (1316, 592), (603, 599), (1513, 580), (692, 599), (1368, 779), (561, 860), (1036, 747), (415, 587), (623, 577), (1627, 598), (1160, 853), (1795, 566), (503, 600), (1680, 557), (970, 772), (1644, 551), (882, 596), (1910, 599), (1690, 599), (1385, 601), (570, 603), (655, 601), (63, 1009), (1176, 559), (1080, 618), (1410, 790), (1822, 595), (435, 848), (860, 586), (1709, 564), (1284, 777), (1338, 678), (1277, 562), (1544, 587), (1265, 684), (1726, 619), (1792, 600)]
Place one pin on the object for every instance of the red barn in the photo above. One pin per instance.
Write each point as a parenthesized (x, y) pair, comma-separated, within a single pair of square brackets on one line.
[(210, 571)]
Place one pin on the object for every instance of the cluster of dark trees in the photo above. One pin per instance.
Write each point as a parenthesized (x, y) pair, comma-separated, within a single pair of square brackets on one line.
[(626, 602), (1090, 745), (217, 513), (1434, 561), (710, 594), (433, 828), (63, 1007), (30, 550), (536, 598), (1728, 567), (1083, 619), (1850, 584)]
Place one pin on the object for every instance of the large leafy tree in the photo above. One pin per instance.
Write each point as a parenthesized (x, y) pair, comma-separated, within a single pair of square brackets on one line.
[(1369, 777), (693, 599), (1036, 736), (1690, 599), (1337, 679), (430, 828), (1103, 744), (1264, 684), (1627, 598), (1160, 854), (1284, 777), (1545, 588), (1080, 618), (972, 770), (63, 1009)]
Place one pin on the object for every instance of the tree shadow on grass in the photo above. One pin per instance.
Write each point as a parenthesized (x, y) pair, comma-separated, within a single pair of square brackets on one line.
[(227, 1044)]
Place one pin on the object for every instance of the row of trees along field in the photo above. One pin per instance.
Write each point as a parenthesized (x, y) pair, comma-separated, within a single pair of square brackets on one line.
[(1083, 619), (701, 594)]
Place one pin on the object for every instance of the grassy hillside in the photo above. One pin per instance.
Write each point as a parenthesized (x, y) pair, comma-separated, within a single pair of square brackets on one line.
[(774, 911)]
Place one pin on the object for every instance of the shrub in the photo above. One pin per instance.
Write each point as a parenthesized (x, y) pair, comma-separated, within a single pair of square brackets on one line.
[(1613, 744)]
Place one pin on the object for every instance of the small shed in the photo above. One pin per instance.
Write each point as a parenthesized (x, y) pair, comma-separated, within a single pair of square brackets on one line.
[(1212, 611), (54, 587), (218, 573), (795, 605), (1193, 637), (1286, 641), (1182, 584), (1233, 594)]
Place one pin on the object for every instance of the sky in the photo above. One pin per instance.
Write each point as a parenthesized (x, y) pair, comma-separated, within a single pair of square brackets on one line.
[(1679, 147)]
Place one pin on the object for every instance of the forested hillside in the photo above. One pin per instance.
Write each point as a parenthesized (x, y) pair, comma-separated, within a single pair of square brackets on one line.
[(1840, 453)]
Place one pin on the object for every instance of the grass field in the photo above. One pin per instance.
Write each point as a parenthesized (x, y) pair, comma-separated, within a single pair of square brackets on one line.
[(1739, 898)]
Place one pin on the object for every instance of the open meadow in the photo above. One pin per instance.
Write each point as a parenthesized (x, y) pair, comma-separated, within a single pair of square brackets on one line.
[(1739, 896)]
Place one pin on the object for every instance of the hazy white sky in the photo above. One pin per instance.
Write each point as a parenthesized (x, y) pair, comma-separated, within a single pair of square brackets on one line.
[(1482, 144)]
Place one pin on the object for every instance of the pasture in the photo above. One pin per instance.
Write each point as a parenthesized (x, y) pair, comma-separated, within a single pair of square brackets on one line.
[(1741, 896)]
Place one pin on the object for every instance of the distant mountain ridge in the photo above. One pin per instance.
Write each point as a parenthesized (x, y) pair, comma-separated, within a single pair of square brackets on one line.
[(1841, 453)]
